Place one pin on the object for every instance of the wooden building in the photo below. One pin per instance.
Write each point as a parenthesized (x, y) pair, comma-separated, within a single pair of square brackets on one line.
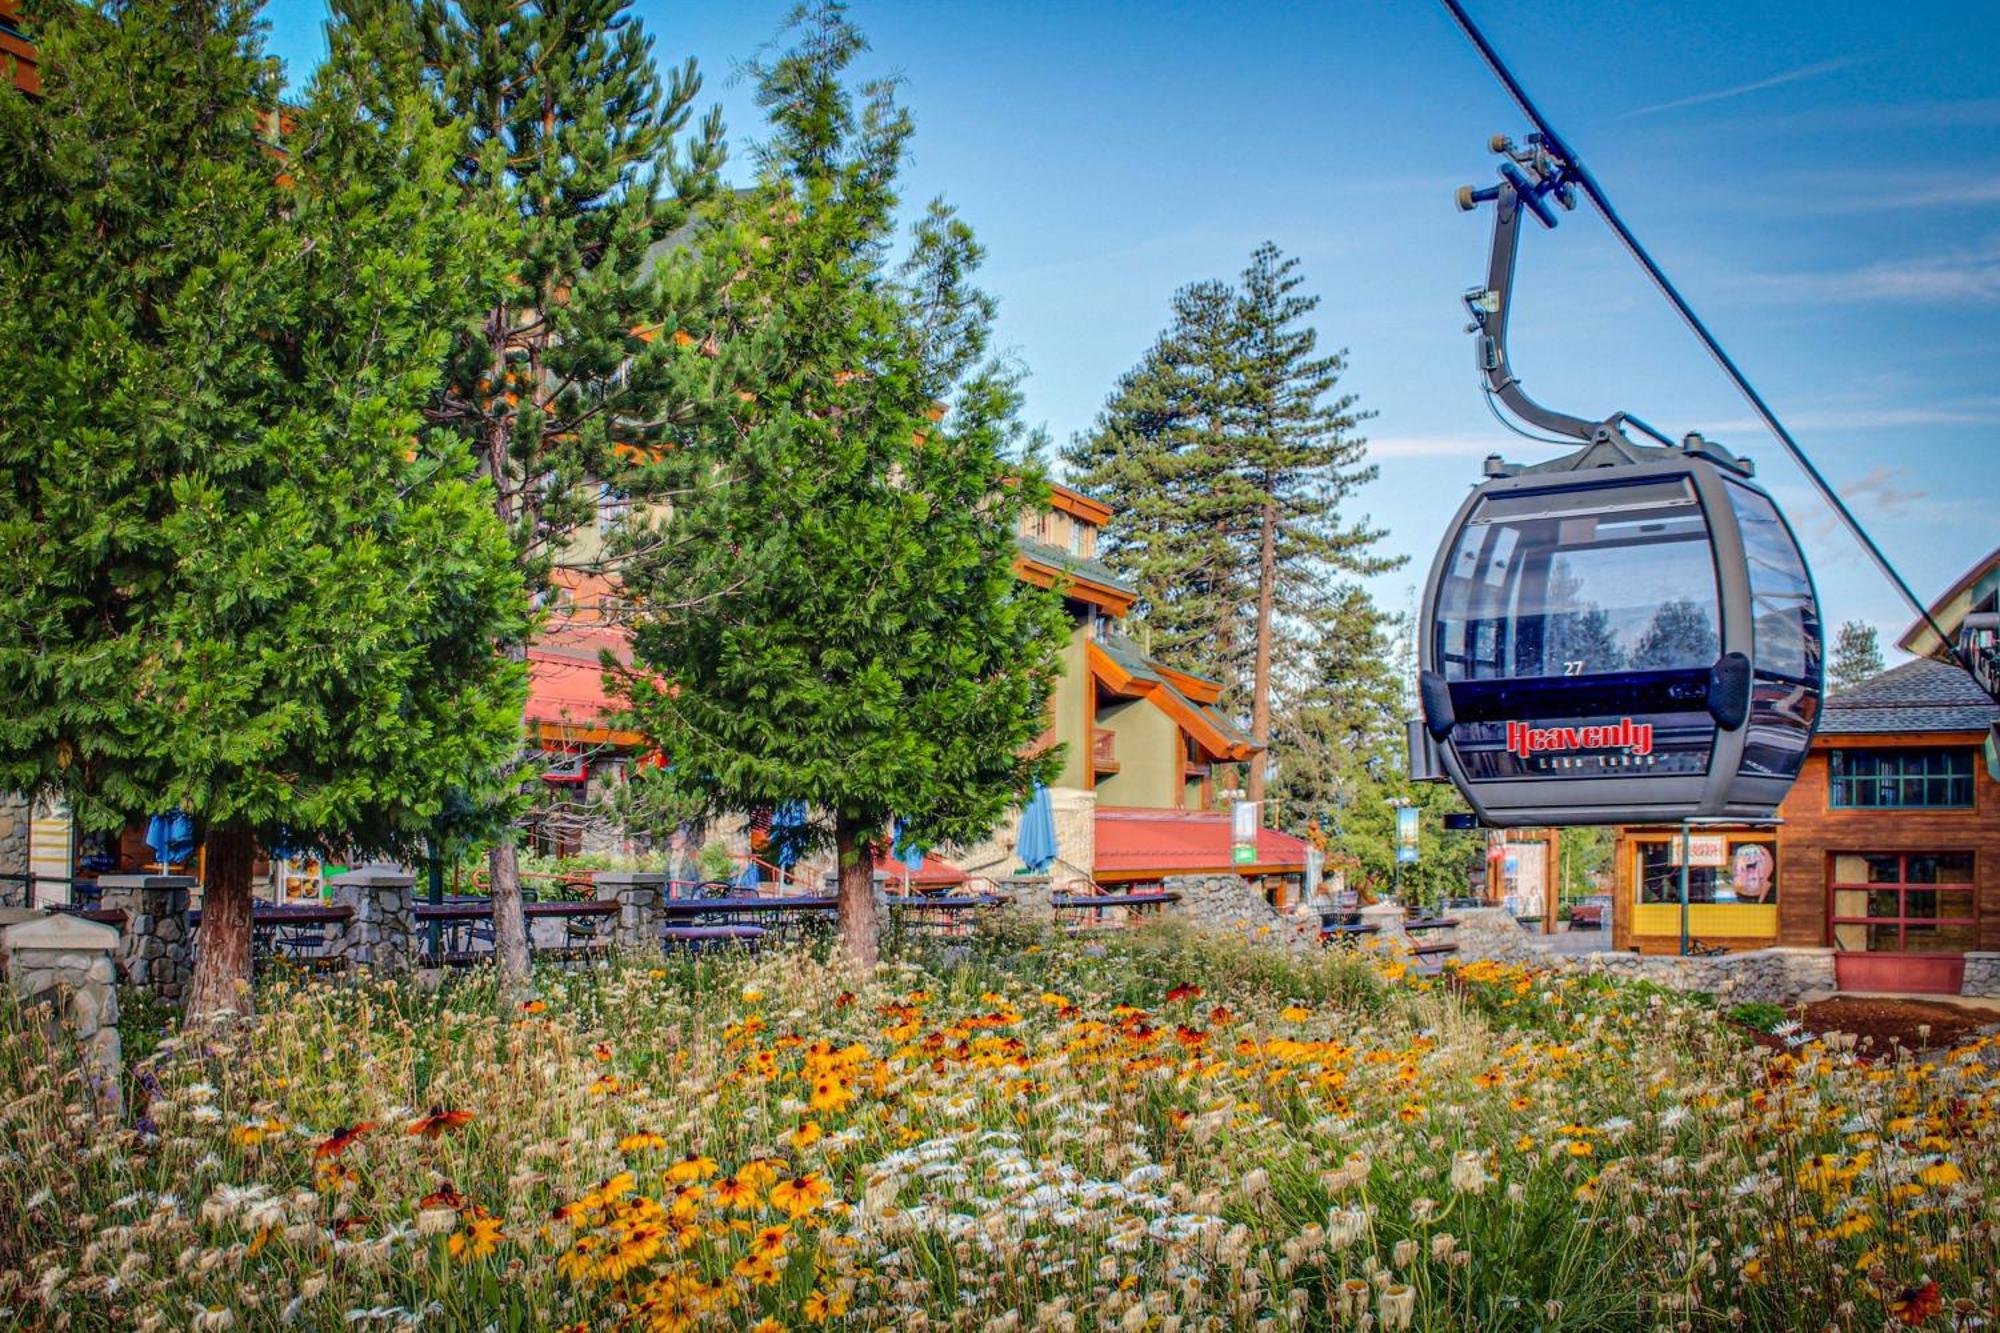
[(1887, 850)]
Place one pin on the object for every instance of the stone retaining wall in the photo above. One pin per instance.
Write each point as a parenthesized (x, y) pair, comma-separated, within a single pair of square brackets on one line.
[(1769, 976), (1982, 975), (1228, 903)]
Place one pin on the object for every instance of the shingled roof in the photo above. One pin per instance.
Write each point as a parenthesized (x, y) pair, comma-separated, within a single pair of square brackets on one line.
[(1920, 695)]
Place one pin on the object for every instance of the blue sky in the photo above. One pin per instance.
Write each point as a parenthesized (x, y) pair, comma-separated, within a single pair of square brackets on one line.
[(1822, 179)]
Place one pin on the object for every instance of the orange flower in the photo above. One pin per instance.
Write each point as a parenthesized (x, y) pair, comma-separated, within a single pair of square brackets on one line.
[(604, 1085), (1187, 990), (830, 1094), (341, 1140), (478, 1240), (806, 1135), (771, 1241), (533, 1006), (644, 1140), (437, 1120), (801, 1194), (602, 1052), (693, 1167), (736, 1192), (1192, 1038)]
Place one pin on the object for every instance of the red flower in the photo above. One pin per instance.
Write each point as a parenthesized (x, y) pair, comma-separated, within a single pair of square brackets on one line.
[(1220, 1017), (341, 1140), (842, 1000), (1187, 990), (1917, 1304), (1192, 1038), (444, 1196), (437, 1120)]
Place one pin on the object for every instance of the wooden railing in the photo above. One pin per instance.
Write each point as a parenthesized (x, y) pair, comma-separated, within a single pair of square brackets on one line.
[(465, 930), (299, 933)]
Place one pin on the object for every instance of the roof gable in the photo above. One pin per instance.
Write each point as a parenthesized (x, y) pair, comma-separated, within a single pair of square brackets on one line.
[(1919, 696)]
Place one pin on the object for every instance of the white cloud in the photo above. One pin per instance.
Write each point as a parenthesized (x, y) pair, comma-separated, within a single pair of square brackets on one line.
[(1965, 275)]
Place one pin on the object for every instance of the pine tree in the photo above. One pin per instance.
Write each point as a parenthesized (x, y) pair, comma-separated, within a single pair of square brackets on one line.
[(1159, 457), (1227, 455), (573, 380), (1297, 461), (236, 581), (840, 624), (1857, 656)]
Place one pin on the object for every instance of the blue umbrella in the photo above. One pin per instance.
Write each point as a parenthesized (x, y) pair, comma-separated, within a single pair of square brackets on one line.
[(747, 877), (788, 827), (1035, 843), (911, 855), (171, 836)]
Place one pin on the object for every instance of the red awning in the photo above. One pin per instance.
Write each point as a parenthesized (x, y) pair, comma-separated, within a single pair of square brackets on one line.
[(937, 873), (1145, 844)]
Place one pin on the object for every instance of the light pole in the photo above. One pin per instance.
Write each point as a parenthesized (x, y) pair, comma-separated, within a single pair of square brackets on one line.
[(1398, 804)]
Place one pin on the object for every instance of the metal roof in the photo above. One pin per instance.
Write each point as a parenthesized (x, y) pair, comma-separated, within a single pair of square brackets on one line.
[(1920, 695)]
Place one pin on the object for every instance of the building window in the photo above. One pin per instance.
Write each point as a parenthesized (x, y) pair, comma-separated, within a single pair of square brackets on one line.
[(1903, 902), (1750, 874), (1901, 779)]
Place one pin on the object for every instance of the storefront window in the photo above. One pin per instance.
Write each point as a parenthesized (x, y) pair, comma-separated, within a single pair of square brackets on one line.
[(1748, 875), (1895, 902)]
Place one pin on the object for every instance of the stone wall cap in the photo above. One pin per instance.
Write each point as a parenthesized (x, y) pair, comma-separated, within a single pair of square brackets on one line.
[(14, 915), (145, 882), (60, 931), (372, 878)]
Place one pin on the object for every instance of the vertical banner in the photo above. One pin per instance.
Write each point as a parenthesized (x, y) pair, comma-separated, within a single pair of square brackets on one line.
[(1244, 818), (1406, 834)]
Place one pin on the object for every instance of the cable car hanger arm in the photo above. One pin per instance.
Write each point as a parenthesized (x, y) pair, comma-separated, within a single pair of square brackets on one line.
[(1569, 170)]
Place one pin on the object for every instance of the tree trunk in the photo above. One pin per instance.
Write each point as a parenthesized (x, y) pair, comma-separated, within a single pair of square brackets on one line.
[(221, 985), (1260, 686), (510, 924), (860, 931)]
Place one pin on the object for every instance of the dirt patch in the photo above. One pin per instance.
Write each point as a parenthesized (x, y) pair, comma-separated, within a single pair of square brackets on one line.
[(1885, 1023)]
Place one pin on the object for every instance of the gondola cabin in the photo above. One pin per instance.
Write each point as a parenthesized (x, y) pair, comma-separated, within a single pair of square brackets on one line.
[(1626, 634)]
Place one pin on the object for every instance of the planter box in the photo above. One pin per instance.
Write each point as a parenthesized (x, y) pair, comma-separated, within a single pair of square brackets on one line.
[(1927, 974)]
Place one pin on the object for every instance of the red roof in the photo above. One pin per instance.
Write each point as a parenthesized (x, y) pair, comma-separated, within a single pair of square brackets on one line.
[(937, 873), (1141, 844), (566, 675)]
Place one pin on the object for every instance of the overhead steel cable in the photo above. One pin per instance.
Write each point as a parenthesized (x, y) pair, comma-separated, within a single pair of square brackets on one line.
[(1575, 170)]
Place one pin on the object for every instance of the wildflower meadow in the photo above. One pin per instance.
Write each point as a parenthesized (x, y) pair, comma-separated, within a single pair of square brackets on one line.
[(1151, 1132)]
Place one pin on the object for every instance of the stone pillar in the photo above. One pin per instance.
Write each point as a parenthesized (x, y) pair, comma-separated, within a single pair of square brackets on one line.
[(638, 894), (62, 965), (156, 951), (1387, 918), (1034, 898), (15, 813), (1982, 975), (381, 936)]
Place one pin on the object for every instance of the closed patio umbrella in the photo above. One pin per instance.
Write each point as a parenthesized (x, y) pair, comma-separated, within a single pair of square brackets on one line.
[(171, 836), (1035, 843)]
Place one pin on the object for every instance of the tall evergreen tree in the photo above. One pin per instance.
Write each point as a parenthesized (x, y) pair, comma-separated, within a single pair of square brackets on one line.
[(1158, 455), (1856, 656), (571, 381), (232, 578), (841, 624), (1229, 453)]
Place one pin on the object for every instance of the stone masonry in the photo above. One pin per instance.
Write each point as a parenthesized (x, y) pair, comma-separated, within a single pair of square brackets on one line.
[(156, 948), (638, 895), (381, 936), (62, 966), (1982, 975), (1228, 903), (1770, 976), (15, 811)]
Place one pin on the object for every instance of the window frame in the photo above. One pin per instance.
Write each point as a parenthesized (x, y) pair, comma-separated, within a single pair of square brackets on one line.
[(1733, 841), (1840, 789), (1902, 887)]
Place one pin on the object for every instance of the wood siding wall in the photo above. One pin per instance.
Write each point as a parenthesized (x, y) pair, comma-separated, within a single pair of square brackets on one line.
[(1813, 831)]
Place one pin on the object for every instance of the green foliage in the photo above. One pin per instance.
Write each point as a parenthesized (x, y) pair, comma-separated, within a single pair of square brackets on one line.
[(239, 578), (1227, 454), (564, 383), (832, 604), (1758, 1016), (1857, 656)]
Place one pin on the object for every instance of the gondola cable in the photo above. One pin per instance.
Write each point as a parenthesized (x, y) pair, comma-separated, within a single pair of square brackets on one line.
[(1574, 170)]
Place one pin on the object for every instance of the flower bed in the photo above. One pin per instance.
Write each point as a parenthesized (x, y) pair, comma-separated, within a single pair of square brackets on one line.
[(1147, 1132)]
